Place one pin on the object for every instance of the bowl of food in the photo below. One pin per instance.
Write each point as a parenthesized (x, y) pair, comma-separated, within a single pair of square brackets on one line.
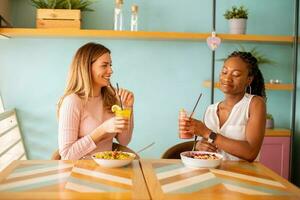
[(113, 158), (201, 159)]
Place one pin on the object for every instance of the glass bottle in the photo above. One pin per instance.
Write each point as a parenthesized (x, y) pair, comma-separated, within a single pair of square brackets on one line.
[(118, 18), (134, 18)]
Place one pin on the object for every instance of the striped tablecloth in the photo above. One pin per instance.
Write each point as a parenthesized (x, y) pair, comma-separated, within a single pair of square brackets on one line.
[(170, 179), (82, 179)]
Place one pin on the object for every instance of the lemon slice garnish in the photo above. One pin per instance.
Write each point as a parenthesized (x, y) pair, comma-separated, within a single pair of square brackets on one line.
[(114, 108)]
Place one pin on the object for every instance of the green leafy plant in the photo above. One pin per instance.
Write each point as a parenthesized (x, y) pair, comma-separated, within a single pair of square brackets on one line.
[(236, 13), (269, 116), (261, 59), (63, 4)]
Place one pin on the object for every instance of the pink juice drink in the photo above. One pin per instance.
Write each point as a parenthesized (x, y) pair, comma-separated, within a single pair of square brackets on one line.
[(183, 114)]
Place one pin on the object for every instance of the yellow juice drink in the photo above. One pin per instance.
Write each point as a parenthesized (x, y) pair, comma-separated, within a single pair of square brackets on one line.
[(125, 113)]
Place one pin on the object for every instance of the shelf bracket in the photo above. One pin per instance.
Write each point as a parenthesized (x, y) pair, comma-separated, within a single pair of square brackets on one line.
[(6, 23)]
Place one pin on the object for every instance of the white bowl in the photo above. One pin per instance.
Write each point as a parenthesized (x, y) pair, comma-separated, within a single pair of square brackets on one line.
[(200, 163), (113, 162)]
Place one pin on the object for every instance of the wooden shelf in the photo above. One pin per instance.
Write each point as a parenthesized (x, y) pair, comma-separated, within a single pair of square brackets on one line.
[(278, 132), (268, 86), (23, 32), (257, 38), (33, 32)]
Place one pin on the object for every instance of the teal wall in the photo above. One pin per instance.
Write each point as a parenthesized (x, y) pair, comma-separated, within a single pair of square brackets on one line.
[(164, 75)]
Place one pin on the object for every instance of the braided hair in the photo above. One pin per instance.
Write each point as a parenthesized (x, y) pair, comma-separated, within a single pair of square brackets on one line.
[(257, 85)]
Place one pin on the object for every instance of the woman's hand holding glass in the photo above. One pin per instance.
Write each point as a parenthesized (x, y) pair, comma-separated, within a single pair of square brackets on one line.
[(115, 125), (110, 126), (192, 126), (186, 127)]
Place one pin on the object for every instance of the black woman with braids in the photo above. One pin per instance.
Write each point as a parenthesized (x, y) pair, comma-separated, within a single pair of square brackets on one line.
[(234, 127)]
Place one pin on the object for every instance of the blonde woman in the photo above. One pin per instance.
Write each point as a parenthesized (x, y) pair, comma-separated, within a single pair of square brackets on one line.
[(86, 123)]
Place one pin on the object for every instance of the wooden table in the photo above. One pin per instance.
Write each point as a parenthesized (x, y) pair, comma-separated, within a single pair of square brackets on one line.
[(83, 179), (169, 179), (144, 179)]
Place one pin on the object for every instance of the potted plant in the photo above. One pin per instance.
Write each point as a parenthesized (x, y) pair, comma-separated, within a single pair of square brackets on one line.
[(237, 18), (60, 13), (260, 57), (270, 121)]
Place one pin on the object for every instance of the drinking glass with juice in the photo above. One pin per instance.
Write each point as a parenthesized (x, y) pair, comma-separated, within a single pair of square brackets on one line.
[(125, 113), (184, 114)]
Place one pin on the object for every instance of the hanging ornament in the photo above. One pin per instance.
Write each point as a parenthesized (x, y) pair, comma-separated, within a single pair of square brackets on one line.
[(213, 41)]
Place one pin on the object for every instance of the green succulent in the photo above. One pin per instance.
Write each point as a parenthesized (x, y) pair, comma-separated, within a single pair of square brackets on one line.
[(63, 4), (236, 13), (261, 59), (269, 116)]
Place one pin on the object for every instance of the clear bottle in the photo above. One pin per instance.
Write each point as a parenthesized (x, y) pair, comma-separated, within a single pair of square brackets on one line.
[(134, 18), (118, 17)]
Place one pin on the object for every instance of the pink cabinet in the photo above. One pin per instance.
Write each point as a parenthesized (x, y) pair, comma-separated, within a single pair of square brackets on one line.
[(275, 154)]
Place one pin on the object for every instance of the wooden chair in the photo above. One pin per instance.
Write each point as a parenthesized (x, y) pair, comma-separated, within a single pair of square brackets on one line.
[(174, 151), (56, 156)]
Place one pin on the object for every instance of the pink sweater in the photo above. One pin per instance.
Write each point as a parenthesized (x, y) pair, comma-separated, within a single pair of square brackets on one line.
[(77, 121)]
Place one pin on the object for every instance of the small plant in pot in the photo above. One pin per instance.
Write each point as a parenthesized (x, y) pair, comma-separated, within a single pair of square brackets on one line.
[(60, 13), (260, 57), (270, 121), (237, 18), (63, 4)]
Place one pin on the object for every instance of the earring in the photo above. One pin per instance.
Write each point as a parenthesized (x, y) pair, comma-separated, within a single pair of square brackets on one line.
[(250, 89)]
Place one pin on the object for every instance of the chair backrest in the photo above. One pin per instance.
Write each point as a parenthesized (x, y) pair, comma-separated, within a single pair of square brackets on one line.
[(56, 156), (11, 141), (174, 151)]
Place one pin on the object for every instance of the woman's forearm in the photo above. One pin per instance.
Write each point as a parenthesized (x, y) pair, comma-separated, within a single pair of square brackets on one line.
[(238, 148), (98, 134), (74, 149), (246, 150)]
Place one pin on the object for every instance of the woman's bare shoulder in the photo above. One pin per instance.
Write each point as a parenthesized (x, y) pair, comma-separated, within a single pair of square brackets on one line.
[(258, 100), (258, 103)]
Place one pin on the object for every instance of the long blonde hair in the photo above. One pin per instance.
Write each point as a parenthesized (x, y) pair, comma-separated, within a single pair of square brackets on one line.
[(80, 76)]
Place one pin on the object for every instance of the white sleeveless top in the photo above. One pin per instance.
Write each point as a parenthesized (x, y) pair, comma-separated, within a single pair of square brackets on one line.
[(234, 127)]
